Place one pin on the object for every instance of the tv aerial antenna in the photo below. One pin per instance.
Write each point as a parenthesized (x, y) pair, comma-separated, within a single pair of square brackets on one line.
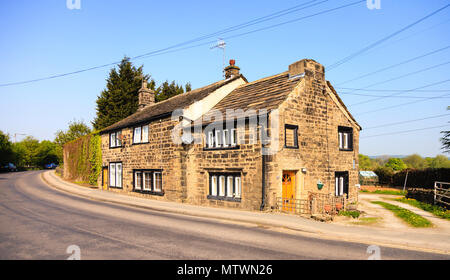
[(221, 45)]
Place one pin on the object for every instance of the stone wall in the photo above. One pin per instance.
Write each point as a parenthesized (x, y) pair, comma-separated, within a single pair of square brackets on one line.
[(314, 110), (160, 153)]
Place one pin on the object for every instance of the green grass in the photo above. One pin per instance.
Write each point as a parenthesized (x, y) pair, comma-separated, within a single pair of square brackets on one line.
[(408, 216), (353, 214), (367, 221), (385, 192), (436, 210)]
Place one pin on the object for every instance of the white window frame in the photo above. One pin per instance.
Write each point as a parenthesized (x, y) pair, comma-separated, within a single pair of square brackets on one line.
[(144, 181), (119, 175), (112, 140), (210, 139), (237, 187), (154, 182), (222, 185), (217, 139), (213, 185), (233, 136), (115, 174), (112, 174), (230, 185), (137, 131), (136, 185), (144, 134), (225, 138)]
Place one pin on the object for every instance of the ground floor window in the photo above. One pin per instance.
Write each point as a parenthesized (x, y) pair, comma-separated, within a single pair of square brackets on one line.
[(341, 183), (225, 186), (148, 181), (115, 174)]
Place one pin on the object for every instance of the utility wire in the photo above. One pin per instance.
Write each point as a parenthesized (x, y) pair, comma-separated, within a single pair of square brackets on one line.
[(365, 49), (408, 121), (404, 131), (395, 65), (177, 46), (390, 90), (397, 78), (389, 96), (403, 104)]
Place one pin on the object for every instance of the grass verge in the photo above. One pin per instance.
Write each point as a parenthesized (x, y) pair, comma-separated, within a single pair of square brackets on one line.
[(353, 214), (385, 192), (408, 216), (436, 210), (367, 221)]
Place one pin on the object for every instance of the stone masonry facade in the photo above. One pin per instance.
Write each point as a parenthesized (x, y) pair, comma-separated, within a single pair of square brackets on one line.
[(302, 98)]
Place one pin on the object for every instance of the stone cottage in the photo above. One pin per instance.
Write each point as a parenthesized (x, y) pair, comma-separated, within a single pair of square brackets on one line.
[(282, 142)]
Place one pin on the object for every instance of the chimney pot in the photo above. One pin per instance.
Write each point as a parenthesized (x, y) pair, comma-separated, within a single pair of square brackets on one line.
[(146, 96), (232, 70)]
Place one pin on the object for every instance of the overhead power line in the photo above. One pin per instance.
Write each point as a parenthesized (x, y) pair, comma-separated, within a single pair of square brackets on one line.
[(397, 78), (389, 96), (395, 65), (365, 49), (179, 46), (390, 90), (404, 131), (412, 102), (408, 121)]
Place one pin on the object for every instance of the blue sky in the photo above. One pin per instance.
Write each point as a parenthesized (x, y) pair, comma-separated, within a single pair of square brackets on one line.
[(43, 38)]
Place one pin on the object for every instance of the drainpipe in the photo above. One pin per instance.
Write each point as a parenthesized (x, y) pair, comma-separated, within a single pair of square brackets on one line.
[(263, 187)]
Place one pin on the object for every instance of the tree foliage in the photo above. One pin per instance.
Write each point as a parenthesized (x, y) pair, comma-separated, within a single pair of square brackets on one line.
[(121, 98), (415, 161), (366, 163), (76, 130), (396, 164), (6, 152)]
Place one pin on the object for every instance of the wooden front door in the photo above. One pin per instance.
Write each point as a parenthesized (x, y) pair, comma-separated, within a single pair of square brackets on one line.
[(288, 192), (105, 178)]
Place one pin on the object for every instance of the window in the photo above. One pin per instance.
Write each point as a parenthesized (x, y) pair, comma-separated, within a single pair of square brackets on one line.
[(225, 186), (137, 180), (221, 138), (345, 138), (140, 134), (115, 175), (210, 139), (115, 139), (341, 184), (148, 181), (291, 136)]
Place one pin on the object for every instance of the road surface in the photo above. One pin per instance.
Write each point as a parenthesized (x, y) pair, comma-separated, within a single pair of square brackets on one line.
[(39, 222)]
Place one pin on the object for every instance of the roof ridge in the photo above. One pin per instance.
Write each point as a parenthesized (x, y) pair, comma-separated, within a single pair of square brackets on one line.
[(262, 79)]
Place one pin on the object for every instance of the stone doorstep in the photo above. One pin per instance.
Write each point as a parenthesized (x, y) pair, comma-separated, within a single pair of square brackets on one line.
[(268, 219)]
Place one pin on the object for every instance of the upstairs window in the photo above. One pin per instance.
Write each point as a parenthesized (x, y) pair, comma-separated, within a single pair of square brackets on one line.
[(221, 138), (291, 136), (225, 186), (115, 139), (345, 135), (140, 134)]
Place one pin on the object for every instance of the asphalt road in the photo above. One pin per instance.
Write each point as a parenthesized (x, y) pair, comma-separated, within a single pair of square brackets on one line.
[(38, 222)]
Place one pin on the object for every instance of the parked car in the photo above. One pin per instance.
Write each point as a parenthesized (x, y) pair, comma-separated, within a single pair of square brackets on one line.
[(10, 167), (50, 166)]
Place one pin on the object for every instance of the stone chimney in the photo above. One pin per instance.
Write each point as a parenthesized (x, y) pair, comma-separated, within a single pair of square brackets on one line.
[(307, 68), (146, 96), (231, 70)]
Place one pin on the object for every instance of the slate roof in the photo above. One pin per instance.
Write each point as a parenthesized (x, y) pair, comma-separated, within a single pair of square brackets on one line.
[(267, 93), (166, 107)]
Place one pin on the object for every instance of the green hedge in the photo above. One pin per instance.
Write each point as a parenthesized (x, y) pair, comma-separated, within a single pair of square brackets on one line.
[(83, 159), (423, 178)]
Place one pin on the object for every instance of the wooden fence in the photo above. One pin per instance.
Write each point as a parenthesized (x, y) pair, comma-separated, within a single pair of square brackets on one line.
[(442, 194)]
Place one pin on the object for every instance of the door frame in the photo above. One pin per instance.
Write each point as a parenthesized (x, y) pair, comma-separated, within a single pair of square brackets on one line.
[(105, 180), (288, 203)]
